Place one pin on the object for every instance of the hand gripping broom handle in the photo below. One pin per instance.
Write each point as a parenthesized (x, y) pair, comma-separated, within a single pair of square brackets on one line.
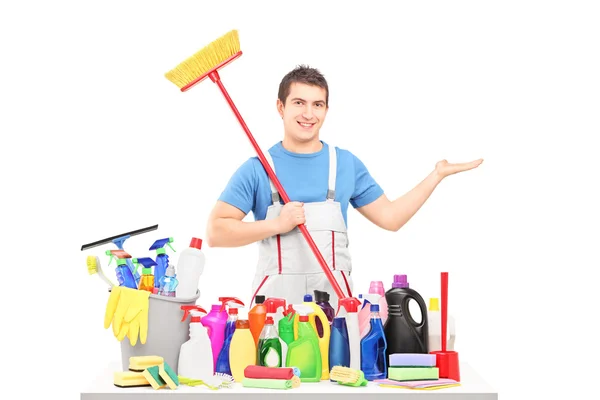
[(214, 76)]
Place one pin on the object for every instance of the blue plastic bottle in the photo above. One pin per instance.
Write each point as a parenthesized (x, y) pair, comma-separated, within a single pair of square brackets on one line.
[(373, 358), (124, 274), (168, 283), (223, 366), (162, 259), (134, 271), (339, 346)]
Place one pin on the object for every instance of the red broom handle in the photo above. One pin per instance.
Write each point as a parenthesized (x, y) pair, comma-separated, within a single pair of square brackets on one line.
[(444, 308), (214, 76)]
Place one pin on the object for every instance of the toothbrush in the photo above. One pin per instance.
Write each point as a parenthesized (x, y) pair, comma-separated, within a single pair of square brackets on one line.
[(93, 266)]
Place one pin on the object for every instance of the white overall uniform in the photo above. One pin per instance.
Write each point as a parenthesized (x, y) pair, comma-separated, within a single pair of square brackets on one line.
[(287, 267)]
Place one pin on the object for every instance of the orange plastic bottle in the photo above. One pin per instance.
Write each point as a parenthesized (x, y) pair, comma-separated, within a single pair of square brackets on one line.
[(256, 318)]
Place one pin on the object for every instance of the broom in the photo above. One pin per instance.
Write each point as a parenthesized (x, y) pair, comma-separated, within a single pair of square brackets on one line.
[(206, 63)]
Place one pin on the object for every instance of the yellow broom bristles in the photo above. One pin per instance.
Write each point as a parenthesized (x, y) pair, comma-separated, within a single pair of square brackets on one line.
[(205, 59)]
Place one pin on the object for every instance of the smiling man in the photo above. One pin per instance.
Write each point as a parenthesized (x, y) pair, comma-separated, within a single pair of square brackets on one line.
[(322, 181)]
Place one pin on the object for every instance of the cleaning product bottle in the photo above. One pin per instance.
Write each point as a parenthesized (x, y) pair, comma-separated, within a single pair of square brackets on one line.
[(162, 260), (350, 305), (268, 353), (304, 353), (169, 282), (377, 288), (223, 365), (364, 316), (257, 316), (120, 242), (322, 300), (124, 275), (434, 319), (195, 355), (190, 266), (402, 332), (215, 321), (318, 313), (242, 351), (339, 347), (147, 279), (373, 359), (286, 331)]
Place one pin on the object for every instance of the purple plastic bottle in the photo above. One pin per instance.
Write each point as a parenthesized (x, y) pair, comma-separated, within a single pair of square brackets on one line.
[(322, 300), (215, 322)]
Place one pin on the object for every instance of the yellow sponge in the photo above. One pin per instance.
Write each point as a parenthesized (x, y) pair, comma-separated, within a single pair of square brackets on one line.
[(154, 378), (168, 375), (130, 379), (140, 363)]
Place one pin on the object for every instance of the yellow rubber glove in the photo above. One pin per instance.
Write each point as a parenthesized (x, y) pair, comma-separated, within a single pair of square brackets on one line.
[(122, 310), (137, 318)]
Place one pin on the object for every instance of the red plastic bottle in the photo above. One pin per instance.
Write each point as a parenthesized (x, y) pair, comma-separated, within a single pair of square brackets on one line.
[(256, 318)]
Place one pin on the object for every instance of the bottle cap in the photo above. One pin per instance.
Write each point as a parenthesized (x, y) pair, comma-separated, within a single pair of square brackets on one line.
[(308, 298), (400, 281), (170, 270), (259, 299), (242, 324), (196, 243), (321, 297), (269, 320), (377, 287), (434, 304)]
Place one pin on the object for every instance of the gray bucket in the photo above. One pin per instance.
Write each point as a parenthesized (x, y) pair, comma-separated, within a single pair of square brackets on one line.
[(166, 332)]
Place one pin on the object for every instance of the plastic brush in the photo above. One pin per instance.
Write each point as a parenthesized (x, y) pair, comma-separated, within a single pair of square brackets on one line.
[(93, 266), (206, 63), (348, 376)]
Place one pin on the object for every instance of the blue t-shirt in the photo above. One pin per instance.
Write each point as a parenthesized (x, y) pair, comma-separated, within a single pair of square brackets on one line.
[(304, 177)]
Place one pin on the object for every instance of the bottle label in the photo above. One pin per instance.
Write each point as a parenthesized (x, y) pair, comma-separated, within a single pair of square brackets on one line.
[(271, 358)]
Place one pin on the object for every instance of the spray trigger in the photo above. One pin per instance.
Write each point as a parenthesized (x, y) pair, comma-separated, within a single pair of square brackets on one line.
[(225, 300), (187, 309)]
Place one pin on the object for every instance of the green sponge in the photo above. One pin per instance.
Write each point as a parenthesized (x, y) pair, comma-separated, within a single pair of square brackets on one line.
[(168, 375), (152, 374)]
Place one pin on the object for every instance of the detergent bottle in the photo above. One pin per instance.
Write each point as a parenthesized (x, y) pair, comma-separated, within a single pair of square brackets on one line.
[(256, 317), (350, 306), (304, 353), (147, 279), (242, 351), (124, 274), (373, 359), (190, 266), (364, 316), (377, 288), (339, 347), (195, 355), (322, 300), (319, 314), (162, 260), (434, 319), (169, 282), (269, 345), (223, 365), (402, 332), (215, 321), (286, 331)]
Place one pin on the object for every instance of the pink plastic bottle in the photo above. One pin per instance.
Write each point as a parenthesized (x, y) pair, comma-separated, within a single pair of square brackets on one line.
[(377, 288), (364, 317), (215, 322)]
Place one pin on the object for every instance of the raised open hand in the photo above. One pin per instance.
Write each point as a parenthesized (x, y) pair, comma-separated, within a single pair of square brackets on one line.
[(444, 168)]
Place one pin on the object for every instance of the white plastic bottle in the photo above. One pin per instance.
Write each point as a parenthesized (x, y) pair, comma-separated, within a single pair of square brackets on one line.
[(190, 266), (351, 314), (195, 355), (434, 320)]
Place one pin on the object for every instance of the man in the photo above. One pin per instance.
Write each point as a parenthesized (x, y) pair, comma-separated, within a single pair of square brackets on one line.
[(321, 181)]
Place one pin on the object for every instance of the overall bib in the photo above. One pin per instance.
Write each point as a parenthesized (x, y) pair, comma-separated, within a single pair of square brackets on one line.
[(287, 267)]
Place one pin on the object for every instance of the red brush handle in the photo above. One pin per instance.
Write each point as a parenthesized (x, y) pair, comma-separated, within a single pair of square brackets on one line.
[(444, 308), (214, 76)]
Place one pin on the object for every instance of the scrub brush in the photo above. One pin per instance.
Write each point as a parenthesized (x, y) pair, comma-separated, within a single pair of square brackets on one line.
[(93, 266), (348, 376), (215, 382)]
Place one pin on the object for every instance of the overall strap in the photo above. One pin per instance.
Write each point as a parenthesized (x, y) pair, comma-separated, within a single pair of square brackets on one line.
[(332, 173), (274, 193)]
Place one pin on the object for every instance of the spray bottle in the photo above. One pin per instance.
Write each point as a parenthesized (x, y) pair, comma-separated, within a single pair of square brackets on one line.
[(162, 260), (350, 305), (195, 355), (377, 288), (269, 352), (286, 331), (119, 241), (304, 352), (147, 279), (168, 283), (223, 365), (374, 345), (215, 321), (124, 274)]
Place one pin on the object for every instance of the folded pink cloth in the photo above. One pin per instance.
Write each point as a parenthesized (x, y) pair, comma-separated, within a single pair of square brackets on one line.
[(260, 372)]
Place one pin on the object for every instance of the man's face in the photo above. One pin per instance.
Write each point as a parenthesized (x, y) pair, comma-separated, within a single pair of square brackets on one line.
[(304, 112)]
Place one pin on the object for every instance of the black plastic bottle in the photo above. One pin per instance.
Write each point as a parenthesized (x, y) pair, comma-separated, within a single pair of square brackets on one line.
[(402, 333)]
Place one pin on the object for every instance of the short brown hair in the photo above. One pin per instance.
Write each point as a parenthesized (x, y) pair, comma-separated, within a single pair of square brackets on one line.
[(303, 74)]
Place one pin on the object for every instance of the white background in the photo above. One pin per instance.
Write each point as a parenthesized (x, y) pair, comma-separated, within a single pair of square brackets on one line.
[(97, 142)]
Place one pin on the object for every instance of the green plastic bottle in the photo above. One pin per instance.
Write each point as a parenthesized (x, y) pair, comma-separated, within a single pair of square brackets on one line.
[(304, 352), (286, 326), (268, 353)]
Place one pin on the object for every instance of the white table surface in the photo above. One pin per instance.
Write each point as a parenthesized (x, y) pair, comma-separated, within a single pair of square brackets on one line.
[(472, 387)]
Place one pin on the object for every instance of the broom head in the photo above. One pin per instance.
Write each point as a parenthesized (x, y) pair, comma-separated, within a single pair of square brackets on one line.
[(205, 61)]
